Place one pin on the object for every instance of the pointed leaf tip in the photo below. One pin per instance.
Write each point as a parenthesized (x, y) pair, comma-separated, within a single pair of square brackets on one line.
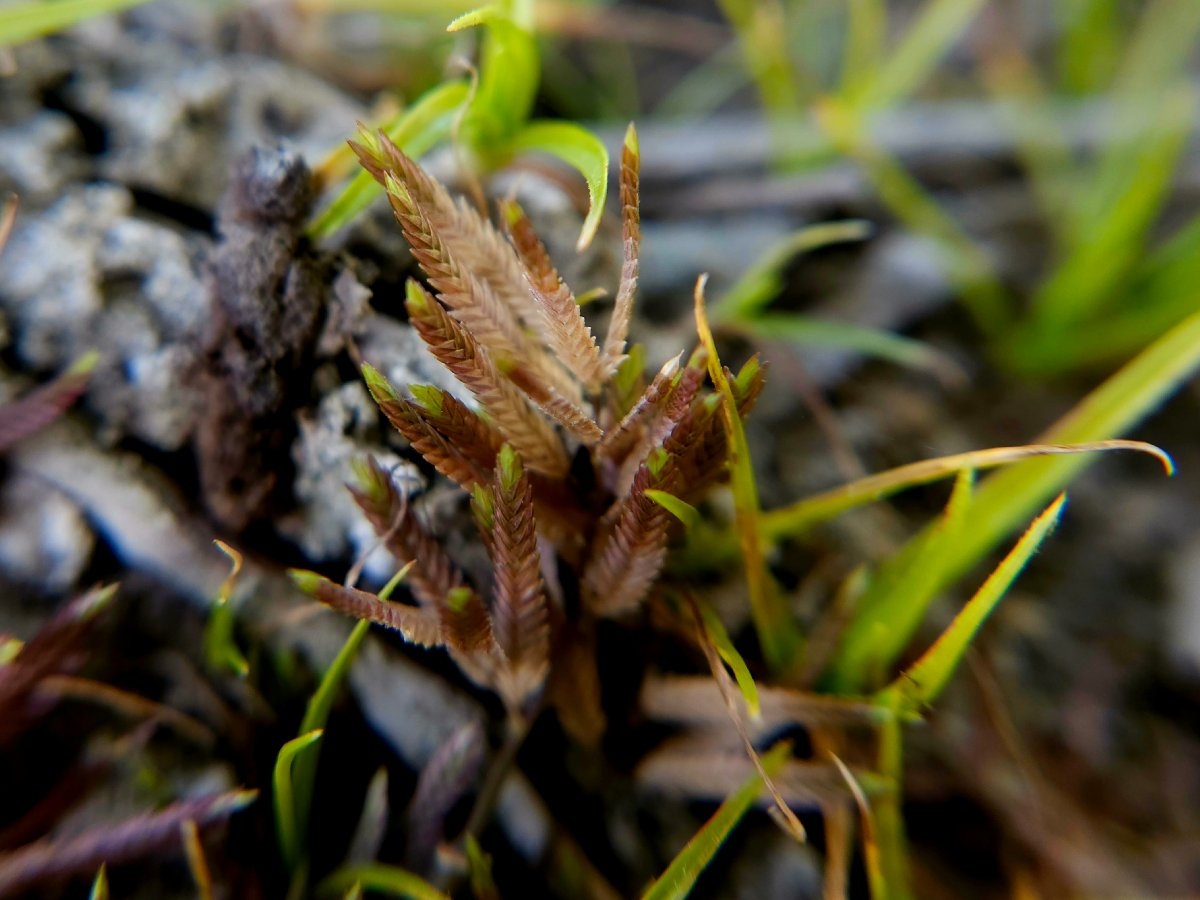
[(415, 296), (86, 364), (428, 397), (459, 598), (631, 140), (508, 465), (308, 582), (381, 390)]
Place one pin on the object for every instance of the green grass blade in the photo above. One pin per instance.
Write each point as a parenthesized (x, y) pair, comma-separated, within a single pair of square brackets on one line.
[(927, 41), (866, 39), (797, 518), (761, 28), (99, 889), (805, 331), (1161, 295), (383, 879), (25, 21), (893, 606), (716, 632), (1011, 497), (578, 148), (316, 714), (1090, 44), (923, 682), (320, 705), (479, 871), (424, 124), (290, 835), (763, 281), (1121, 214), (777, 631), (680, 876), (509, 69), (680, 509)]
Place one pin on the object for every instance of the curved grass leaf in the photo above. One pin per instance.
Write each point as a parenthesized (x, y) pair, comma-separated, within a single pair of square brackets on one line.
[(680, 876), (25, 21), (390, 880), (1010, 497), (286, 825), (919, 685), (790, 521), (578, 148), (509, 69), (220, 648), (415, 131), (680, 509)]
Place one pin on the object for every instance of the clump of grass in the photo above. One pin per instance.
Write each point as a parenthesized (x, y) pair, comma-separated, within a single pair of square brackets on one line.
[(578, 463)]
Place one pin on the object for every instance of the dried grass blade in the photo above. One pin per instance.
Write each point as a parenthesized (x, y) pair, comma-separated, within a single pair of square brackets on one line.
[(29, 414), (704, 627), (874, 861), (114, 844)]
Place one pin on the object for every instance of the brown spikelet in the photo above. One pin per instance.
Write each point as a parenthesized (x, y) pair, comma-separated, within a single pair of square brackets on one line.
[(672, 408), (472, 302), (631, 236), (561, 323), (435, 447), (620, 439), (417, 625), (519, 612), (466, 626), (467, 235), (699, 447), (433, 575), (458, 350), (629, 554), (475, 273), (563, 410)]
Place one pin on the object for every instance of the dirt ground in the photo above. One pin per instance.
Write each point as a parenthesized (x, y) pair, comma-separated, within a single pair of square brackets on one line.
[(161, 162)]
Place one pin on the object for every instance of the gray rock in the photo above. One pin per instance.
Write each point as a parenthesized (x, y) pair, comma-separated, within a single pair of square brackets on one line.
[(89, 275), (45, 541)]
